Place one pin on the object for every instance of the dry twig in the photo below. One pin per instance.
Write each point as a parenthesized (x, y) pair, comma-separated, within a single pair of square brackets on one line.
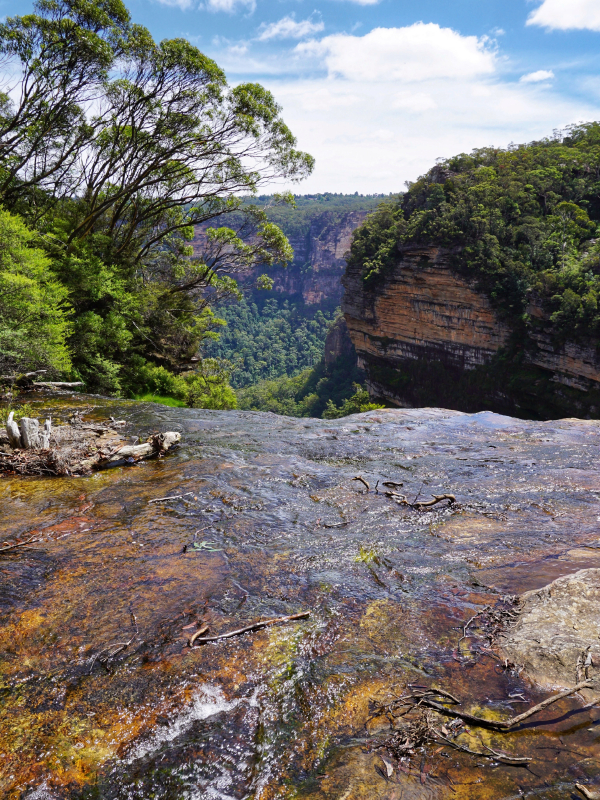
[(363, 481), (255, 626), (19, 544), (174, 497), (426, 696), (198, 633)]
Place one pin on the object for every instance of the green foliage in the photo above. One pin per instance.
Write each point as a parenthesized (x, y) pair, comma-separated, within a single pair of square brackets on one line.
[(295, 218), (34, 319), (209, 386), (521, 222), (310, 392), (113, 148), (288, 396), (270, 337), (357, 404), (20, 411)]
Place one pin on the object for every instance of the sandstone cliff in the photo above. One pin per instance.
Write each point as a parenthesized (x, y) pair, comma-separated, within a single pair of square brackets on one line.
[(426, 335), (315, 273)]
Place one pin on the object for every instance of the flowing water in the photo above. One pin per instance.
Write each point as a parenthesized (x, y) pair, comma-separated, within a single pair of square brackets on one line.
[(103, 698)]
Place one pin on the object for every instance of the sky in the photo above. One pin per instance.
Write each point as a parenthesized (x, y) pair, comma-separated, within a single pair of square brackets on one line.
[(377, 90)]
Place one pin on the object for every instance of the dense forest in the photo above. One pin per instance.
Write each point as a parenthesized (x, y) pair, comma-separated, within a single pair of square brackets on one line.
[(276, 334), (522, 221), (112, 149)]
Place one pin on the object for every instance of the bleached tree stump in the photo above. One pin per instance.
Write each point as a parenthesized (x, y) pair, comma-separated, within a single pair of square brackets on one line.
[(45, 435), (30, 433), (12, 429)]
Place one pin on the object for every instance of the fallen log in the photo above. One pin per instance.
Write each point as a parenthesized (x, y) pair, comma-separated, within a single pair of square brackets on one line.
[(58, 384)]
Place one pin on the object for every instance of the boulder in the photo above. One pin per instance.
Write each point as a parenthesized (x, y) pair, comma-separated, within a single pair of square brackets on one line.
[(557, 635)]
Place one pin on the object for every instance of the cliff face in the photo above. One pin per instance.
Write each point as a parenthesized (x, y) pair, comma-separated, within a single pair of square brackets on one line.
[(319, 263), (426, 336)]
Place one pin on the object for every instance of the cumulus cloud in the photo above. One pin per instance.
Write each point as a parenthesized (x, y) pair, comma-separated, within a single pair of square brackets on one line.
[(562, 15), (538, 76), (415, 53), (182, 4), (288, 28), (229, 5), (377, 110)]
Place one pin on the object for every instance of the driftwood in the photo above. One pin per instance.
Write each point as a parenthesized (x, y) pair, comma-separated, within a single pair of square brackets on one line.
[(58, 384), (426, 698), (30, 433), (12, 429), (26, 377), (255, 626), (74, 449), (587, 793), (363, 481), (423, 504), (18, 544)]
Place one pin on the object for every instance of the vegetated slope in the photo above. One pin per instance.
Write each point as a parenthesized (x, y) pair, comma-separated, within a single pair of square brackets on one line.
[(493, 256), (280, 335)]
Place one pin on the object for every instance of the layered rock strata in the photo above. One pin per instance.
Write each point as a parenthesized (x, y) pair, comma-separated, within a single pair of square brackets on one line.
[(319, 258), (426, 335)]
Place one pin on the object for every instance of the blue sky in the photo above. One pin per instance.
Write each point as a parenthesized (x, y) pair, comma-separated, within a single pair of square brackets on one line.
[(377, 90)]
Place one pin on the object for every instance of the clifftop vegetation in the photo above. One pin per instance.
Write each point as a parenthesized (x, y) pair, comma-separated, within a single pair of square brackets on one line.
[(112, 147), (523, 222)]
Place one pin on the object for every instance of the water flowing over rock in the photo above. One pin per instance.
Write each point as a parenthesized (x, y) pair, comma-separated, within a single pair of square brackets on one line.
[(104, 580)]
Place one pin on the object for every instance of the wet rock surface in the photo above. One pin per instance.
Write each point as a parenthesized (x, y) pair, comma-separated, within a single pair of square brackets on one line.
[(258, 516), (557, 636)]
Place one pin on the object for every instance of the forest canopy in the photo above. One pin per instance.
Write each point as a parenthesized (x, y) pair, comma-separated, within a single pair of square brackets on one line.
[(523, 222), (112, 148)]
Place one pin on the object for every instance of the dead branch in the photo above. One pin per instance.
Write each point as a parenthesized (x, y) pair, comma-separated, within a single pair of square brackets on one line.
[(437, 498), (19, 544), (502, 757), (587, 793), (474, 617), (392, 484), (174, 497), (256, 626), (418, 506), (198, 633), (363, 481), (426, 698)]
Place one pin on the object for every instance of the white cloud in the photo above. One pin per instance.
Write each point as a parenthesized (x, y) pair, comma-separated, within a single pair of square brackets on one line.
[(538, 76), (182, 4), (377, 110), (415, 53), (228, 5), (288, 28), (563, 15), (382, 107)]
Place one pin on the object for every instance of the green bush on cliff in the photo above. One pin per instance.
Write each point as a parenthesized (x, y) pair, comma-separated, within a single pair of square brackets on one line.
[(357, 404), (522, 222)]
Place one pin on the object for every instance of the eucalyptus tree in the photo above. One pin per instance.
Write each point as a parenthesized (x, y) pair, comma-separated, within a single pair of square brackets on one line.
[(117, 149), (55, 64)]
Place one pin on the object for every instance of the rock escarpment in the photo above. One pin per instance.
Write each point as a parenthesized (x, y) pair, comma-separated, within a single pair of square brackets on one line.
[(426, 335), (319, 258)]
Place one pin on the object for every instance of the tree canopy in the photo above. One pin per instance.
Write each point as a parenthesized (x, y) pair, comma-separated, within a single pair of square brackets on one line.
[(523, 222), (112, 148)]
